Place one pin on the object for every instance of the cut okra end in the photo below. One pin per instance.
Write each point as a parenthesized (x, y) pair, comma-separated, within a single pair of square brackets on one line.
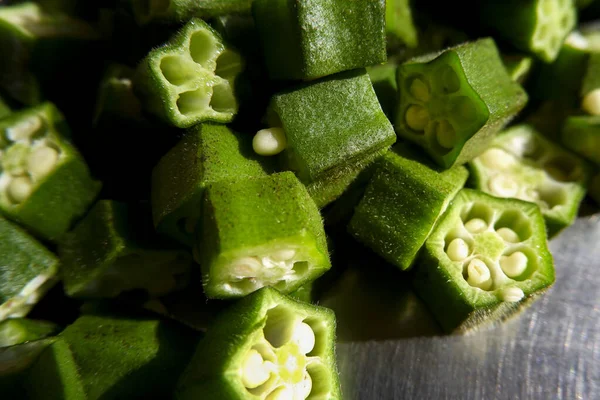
[(555, 19)]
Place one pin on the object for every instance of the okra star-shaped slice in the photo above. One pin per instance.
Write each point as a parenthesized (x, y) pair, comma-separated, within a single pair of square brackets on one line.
[(260, 232), (403, 196), (108, 253), (266, 346), (332, 129), (453, 105), (191, 78), (45, 184), (486, 259), (522, 164), (27, 271)]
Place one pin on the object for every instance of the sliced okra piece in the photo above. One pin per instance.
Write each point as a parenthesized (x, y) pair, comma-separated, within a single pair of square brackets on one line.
[(148, 11), (315, 38), (34, 40), (45, 184), (404, 195), (260, 232), (399, 25), (582, 135), (112, 357), (449, 106), (27, 271), (266, 346), (20, 330), (518, 66), (486, 259), (107, 254), (304, 293), (191, 78), (208, 153), (522, 164), (339, 132), (590, 86), (15, 361)]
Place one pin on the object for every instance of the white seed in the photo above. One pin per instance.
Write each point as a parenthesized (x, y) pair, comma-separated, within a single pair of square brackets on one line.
[(512, 294), (25, 129), (458, 250), (503, 186), (591, 102), (476, 225), (246, 267), (254, 370), (283, 255), (269, 142), (281, 393), (302, 390), (577, 40), (419, 90), (42, 161), (508, 235), (446, 135), (514, 265), (304, 337), (479, 274), (417, 117), (19, 189), (496, 158)]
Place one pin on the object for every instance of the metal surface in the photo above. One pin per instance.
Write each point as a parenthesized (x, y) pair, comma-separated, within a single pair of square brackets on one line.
[(551, 351)]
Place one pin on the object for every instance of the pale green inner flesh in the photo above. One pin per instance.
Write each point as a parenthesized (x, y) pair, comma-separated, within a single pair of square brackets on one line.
[(555, 19), (284, 361), (202, 78), (490, 248), (19, 305), (28, 155)]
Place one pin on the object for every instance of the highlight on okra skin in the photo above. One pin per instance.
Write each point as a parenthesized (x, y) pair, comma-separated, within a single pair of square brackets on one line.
[(486, 259), (269, 347), (191, 78)]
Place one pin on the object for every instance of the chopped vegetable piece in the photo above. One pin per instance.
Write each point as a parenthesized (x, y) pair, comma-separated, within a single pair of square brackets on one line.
[(399, 24), (453, 105), (147, 11), (507, 264), (582, 135), (15, 361), (522, 164), (20, 330), (266, 346), (518, 66), (260, 232)]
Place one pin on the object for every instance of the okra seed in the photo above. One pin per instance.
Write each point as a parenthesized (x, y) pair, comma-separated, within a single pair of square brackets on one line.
[(512, 294), (283, 255), (508, 235), (458, 250), (19, 189), (246, 267), (479, 274), (591, 102), (417, 117), (476, 225), (42, 161), (446, 135), (419, 90), (269, 142), (450, 80), (24, 130), (497, 159), (503, 186), (304, 337), (514, 265), (254, 372), (281, 393)]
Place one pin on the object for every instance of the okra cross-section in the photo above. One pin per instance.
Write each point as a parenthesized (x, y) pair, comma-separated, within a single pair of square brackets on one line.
[(582, 135), (453, 105), (260, 232), (486, 259), (148, 11), (333, 129), (27, 271), (268, 347), (45, 184), (311, 39), (108, 253), (522, 164), (208, 153), (190, 79), (401, 204)]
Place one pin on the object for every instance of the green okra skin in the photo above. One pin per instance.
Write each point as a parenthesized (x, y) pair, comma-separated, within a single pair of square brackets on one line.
[(27, 271), (45, 185), (399, 24), (486, 260), (208, 153), (15, 361), (581, 134), (191, 78), (264, 346), (402, 203), (260, 232), (107, 254), (334, 128), (383, 78), (453, 104), (523, 164), (315, 38), (117, 357), (518, 66), (169, 11), (20, 330), (35, 43)]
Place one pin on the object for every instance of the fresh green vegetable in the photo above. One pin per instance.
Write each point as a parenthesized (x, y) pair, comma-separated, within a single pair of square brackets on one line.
[(399, 24), (20, 330), (518, 66)]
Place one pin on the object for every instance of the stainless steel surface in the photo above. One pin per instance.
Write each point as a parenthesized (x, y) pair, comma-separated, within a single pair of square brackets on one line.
[(551, 351)]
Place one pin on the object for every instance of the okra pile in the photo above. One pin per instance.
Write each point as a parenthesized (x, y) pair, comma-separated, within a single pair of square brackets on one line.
[(200, 198)]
